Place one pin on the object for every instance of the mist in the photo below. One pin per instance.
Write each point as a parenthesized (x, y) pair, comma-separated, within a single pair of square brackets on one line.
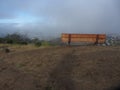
[(50, 18)]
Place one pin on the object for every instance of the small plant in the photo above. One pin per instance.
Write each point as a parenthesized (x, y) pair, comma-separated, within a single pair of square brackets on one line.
[(45, 43), (7, 50), (23, 43), (20, 65), (48, 88), (38, 44)]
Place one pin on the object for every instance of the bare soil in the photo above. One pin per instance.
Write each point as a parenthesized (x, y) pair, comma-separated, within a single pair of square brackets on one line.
[(61, 68)]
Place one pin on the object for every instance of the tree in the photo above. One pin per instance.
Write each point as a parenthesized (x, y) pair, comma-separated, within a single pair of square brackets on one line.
[(16, 38)]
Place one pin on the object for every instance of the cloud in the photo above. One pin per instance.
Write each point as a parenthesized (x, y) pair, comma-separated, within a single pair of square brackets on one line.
[(58, 16)]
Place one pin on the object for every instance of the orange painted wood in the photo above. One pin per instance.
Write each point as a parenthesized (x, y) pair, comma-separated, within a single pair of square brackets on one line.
[(99, 38)]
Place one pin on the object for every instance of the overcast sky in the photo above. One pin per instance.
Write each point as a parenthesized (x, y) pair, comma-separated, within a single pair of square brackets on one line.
[(52, 17)]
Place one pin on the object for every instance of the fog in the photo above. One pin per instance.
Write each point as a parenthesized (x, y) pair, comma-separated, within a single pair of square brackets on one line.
[(50, 18)]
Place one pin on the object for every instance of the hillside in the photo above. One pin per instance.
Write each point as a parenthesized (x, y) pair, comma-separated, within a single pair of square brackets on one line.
[(61, 68)]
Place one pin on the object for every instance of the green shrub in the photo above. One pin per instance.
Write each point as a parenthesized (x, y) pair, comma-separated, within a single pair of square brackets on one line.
[(23, 43), (16, 38), (9, 41), (45, 43), (38, 44), (1, 40)]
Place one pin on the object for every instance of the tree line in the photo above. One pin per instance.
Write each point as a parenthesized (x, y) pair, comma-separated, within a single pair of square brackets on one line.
[(15, 38), (21, 39)]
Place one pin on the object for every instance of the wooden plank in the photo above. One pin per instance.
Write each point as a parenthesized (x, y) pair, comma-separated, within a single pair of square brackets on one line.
[(94, 38)]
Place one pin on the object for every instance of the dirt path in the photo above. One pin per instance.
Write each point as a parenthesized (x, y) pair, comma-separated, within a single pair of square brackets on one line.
[(60, 78)]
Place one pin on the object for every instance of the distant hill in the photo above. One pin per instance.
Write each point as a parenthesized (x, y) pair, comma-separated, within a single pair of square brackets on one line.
[(113, 39), (55, 41)]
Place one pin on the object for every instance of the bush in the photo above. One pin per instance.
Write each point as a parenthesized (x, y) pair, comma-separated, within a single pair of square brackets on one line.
[(38, 44), (15, 38), (9, 41), (23, 43), (45, 43), (1, 40)]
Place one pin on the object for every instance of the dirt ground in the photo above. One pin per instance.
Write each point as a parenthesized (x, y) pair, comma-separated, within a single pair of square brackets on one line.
[(61, 68)]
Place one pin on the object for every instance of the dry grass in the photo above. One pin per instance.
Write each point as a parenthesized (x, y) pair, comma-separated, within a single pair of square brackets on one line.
[(64, 68), (18, 47)]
